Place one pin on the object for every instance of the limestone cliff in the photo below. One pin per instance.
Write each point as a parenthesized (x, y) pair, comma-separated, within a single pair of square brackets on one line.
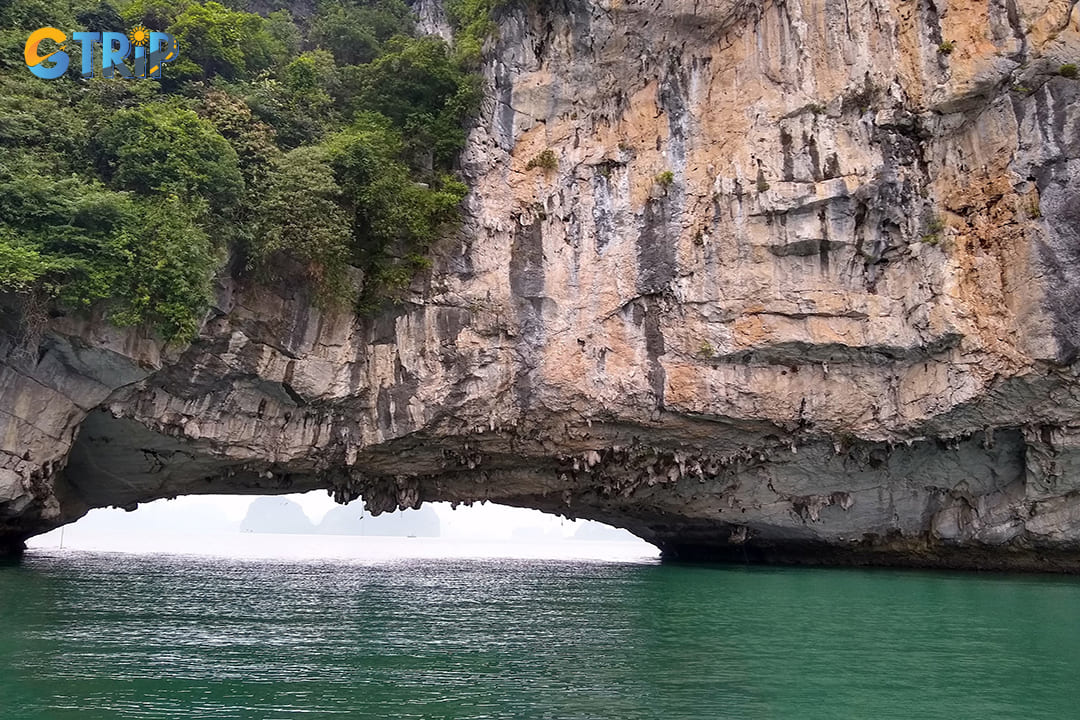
[(803, 286)]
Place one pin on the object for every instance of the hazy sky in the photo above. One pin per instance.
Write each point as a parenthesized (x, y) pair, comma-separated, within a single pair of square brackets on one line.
[(213, 513), (488, 520), (210, 525)]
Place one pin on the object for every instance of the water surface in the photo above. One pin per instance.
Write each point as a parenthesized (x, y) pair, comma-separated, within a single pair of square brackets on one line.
[(107, 635)]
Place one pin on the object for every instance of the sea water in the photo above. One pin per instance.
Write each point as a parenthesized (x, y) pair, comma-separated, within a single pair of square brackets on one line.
[(396, 629)]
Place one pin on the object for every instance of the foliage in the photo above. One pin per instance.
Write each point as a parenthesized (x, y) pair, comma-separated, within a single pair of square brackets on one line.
[(1034, 210), (30, 118), (251, 139), (545, 160), (414, 76), (159, 148), (301, 216), (416, 84), (100, 18), (326, 143), (154, 14), (83, 243), (665, 178), (860, 98), (218, 41), (935, 227), (473, 22), (168, 264), (354, 33), (21, 264), (395, 219), (1068, 70), (946, 47), (31, 14), (285, 36)]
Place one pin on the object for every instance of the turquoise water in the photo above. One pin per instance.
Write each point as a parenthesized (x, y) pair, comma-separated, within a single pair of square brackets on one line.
[(86, 635)]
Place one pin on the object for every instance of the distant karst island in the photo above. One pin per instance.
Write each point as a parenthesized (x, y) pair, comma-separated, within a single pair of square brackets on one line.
[(283, 516)]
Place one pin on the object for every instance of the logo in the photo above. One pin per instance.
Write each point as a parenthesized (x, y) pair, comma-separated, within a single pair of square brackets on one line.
[(148, 52)]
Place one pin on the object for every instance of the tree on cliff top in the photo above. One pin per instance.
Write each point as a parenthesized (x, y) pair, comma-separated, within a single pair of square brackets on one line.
[(266, 139)]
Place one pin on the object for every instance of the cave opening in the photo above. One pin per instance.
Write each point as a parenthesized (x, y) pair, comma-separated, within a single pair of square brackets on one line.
[(312, 525)]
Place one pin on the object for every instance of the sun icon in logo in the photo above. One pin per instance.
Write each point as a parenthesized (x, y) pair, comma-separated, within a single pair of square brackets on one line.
[(139, 36)]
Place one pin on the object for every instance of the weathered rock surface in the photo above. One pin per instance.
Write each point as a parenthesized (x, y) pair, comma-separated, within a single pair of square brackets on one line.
[(804, 287)]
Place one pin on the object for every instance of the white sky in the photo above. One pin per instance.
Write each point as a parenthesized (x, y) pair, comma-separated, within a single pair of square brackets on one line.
[(486, 519), (478, 522), (210, 525)]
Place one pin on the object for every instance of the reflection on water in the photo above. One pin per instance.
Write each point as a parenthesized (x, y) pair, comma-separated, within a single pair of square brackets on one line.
[(126, 636), (344, 547)]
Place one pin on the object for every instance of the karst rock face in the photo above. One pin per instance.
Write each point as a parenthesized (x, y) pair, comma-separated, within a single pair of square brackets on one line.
[(803, 286)]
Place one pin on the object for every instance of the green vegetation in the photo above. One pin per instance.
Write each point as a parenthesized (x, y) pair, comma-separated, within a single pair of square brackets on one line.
[(706, 350), (665, 178), (861, 98), (472, 22), (934, 229), (762, 183), (291, 146), (946, 47), (156, 148), (1068, 70), (546, 160), (1034, 211)]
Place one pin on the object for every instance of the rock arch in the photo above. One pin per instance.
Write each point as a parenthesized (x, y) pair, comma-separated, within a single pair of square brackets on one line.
[(841, 328)]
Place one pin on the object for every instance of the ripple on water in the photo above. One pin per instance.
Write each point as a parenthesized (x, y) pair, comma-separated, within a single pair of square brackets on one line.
[(114, 636)]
